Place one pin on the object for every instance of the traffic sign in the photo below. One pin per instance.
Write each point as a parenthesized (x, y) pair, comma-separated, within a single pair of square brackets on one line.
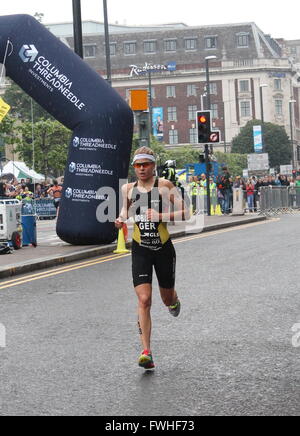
[(258, 162), (215, 137)]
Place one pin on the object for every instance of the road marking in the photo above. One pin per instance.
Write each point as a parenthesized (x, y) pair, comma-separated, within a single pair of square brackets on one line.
[(60, 270), (112, 257), (229, 229)]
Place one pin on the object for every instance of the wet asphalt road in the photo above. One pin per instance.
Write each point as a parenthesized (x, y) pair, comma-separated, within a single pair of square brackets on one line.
[(72, 342)]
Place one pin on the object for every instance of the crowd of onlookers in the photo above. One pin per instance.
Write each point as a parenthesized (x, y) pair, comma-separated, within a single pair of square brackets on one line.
[(221, 189), (27, 190)]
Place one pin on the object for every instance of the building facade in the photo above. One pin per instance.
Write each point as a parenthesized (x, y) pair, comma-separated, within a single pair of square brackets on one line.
[(250, 74)]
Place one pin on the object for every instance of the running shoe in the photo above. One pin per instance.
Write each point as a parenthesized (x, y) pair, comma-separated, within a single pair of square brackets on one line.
[(175, 310), (146, 360)]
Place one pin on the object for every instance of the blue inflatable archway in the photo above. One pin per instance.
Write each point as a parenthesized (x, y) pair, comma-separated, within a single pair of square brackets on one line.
[(101, 121)]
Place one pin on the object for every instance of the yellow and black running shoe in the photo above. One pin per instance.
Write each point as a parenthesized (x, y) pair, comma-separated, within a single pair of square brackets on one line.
[(146, 360)]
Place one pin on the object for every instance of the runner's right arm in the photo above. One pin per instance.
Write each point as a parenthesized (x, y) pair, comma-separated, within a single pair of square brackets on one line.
[(126, 204)]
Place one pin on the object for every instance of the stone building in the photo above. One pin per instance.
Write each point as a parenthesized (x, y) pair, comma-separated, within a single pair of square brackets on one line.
[(251, 71)]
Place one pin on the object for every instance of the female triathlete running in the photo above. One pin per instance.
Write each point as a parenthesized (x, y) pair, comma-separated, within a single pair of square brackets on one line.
[(152, 202)]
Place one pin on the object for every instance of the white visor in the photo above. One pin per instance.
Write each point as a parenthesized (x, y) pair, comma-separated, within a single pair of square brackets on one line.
[(143, 156)]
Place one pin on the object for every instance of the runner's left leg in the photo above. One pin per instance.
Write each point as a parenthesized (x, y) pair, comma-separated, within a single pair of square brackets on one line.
[(144, 294)]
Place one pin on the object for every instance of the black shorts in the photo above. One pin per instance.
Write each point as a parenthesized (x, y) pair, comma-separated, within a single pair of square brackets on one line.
[(163, 261)]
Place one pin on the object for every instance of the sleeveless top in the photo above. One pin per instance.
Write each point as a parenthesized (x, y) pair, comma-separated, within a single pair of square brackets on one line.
[(148, 234)]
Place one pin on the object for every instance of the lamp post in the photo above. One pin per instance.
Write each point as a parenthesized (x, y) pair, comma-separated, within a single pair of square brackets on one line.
[(208, 107), (77, 26), (207, 59), (150, 108), (262, 113), (107, 45), (291, 102), (262, 101)]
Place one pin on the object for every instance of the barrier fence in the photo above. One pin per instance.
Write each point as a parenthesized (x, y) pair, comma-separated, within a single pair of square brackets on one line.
[(277, 200), (268, 201), (42, 208)]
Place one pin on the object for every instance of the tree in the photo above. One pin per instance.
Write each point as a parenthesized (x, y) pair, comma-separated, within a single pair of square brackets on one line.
[(275, 138), (235, 163), (8, 133), (51, 143), (21, 105)]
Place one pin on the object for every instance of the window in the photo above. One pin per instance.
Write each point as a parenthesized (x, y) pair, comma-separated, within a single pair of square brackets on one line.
[(192, 113), (214, 109), (193, 136), (278, 108), (211, 42), (171, 45), (89, 51), (192, 90), (245, 109), (244, 86), (130, 48), (113, 49), (150, 46), (190, 44), (173, 136), (243, 39), (172, 114), (171, 91), (277, 84), (213, 90)]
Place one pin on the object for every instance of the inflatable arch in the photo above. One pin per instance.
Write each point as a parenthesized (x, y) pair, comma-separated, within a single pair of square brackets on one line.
[(101, 121)]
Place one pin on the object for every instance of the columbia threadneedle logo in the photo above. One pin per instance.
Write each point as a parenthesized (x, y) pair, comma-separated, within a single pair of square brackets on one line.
[(28, 53)]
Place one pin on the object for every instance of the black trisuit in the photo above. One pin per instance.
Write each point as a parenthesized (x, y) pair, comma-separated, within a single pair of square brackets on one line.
[(151, 246)]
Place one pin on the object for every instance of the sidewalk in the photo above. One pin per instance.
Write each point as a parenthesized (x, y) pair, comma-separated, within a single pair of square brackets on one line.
[(51, 251)]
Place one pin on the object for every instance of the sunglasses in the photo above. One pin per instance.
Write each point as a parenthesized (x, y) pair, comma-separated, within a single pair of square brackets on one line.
[(143, 164)]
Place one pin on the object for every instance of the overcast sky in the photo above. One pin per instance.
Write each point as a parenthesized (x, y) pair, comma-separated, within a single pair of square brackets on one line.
[(281, 20)]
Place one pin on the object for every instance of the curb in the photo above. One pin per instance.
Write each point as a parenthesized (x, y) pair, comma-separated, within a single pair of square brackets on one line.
[(106, 249)]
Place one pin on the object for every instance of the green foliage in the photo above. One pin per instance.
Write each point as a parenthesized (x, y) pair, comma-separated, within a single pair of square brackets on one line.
[(276, 142), (235, 163), (20, 103), (51, 143)]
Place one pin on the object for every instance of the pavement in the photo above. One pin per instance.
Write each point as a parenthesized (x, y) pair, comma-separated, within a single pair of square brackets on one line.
[(52, 251)]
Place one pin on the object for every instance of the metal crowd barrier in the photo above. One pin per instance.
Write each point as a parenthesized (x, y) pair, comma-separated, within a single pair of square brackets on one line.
[(275, 200)]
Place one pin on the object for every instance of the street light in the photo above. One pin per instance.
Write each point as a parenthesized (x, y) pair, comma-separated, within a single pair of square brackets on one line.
[(291, 102), (263, 85), (207, 59), (208, 107), (77, 28), (107, 44), (261, 101)]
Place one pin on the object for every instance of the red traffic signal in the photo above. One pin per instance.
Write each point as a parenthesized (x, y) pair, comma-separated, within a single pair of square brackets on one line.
[(202, 119)]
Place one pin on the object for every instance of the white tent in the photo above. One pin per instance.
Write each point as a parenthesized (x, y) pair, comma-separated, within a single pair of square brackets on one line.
[(21, 171)]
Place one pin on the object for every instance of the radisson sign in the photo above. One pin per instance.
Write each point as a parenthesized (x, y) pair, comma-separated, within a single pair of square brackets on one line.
[(152, 68)]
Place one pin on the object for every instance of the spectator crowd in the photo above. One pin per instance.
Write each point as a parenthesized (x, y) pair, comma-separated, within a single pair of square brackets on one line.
[(221, 189), (26, 190)]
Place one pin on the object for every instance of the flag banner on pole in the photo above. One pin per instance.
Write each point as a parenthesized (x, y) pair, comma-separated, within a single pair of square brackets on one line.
[(4, 109)]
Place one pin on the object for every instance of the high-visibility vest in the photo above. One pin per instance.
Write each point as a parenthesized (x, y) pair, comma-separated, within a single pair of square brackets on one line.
[(194, 188), (213, 190), (203, 190)]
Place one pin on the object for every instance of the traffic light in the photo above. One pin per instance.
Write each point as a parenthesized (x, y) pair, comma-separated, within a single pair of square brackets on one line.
[(206, 135), (202, 158), (204, 126), (143, 122)]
